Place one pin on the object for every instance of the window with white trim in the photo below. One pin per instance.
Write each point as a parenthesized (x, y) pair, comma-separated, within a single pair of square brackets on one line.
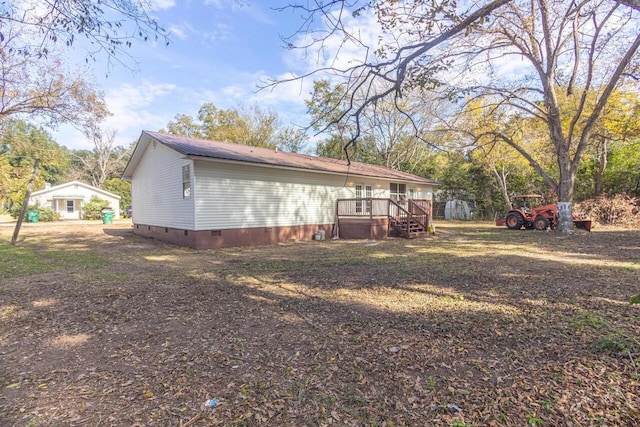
[(397, 191), (186, 182), (363, 191)]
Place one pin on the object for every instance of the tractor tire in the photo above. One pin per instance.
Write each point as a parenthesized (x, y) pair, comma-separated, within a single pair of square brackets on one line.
[(514, 221), (541, 223)]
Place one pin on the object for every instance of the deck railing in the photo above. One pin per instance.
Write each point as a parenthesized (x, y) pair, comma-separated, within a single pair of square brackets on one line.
[(375, 207), (362, 207)]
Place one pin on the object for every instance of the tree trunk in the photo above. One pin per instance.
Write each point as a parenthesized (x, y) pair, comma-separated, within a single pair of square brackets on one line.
[(602, 166), (501, 177), (25, 202), (565, 196)]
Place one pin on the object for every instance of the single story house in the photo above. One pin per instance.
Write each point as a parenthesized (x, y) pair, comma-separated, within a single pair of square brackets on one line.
[(210, 194), (67, 199)]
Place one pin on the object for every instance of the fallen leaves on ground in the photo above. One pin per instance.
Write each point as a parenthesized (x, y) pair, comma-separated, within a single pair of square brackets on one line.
[(475, 326)]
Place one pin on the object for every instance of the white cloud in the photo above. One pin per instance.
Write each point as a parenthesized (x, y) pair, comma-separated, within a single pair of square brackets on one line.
[(219, 33), (178, 31), (151, 105), (216, 3), (134, 108), (255, 12), (336, 51), (162, 4), (127, 95)]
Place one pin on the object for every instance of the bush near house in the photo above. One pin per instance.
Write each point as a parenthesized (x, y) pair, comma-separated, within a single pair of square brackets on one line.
[(92, 209), (47, 215), (44, 214)]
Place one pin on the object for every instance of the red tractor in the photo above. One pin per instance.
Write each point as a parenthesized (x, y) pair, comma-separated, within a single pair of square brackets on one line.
[(529, 212)]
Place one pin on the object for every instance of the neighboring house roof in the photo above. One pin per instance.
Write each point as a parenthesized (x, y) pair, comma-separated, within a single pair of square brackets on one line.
[(66, 191), (202, 148)]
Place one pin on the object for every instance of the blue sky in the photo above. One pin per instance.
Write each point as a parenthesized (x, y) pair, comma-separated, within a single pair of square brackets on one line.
[(219, 52)]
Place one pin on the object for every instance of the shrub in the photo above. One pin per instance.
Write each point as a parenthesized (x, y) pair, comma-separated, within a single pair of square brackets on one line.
[(44, 214), (93, 208), (14, 210), (47, 215)]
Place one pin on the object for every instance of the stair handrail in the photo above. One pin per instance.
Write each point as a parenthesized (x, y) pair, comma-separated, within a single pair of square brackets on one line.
[(399, 207), (400, 210), (411, 203), (421, 209)]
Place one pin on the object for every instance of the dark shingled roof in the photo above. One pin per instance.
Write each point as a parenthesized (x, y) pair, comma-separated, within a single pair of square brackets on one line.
[(265, 156)]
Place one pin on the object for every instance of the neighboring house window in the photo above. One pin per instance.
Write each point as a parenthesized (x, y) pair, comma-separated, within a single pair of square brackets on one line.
[(412, 193), (359, 188), (69, 206), (186, 182), (398, 191)]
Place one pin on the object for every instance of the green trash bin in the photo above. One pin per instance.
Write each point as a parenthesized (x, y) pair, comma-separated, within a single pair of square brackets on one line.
[(33, 216), (107, 217)]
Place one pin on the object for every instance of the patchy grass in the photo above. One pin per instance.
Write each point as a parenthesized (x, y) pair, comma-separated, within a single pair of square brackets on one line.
[(476, 326), (30, 260), (21, 261)]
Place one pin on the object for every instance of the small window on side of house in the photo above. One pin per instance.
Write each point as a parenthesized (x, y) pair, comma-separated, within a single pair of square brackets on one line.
[(186, 182)]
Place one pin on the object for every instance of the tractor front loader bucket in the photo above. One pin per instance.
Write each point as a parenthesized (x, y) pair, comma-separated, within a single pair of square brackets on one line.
[(584, 224)]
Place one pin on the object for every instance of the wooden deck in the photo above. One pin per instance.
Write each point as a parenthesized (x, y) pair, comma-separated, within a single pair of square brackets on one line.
[(377, 218)]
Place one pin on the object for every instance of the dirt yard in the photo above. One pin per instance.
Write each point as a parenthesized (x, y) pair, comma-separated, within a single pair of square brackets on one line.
[(475, 326)]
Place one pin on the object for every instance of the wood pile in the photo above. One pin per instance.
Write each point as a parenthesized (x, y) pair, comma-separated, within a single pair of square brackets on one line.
[(619, 210)]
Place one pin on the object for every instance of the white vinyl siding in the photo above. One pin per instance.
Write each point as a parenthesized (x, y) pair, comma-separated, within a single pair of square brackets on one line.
[(157, 190), (235, 195), (245, 196)]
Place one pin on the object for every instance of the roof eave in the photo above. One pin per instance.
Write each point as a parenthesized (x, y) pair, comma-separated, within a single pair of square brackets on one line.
[(272, 166)]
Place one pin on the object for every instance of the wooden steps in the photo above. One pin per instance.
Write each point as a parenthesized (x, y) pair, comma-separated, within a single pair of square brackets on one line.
[(409, 229)]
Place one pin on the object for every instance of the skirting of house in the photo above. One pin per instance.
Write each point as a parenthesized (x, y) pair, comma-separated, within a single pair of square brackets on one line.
[(363, 228), (214, 239)]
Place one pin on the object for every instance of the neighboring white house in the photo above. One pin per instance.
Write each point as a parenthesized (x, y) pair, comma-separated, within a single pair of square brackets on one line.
[(68, 199), (208, 194)]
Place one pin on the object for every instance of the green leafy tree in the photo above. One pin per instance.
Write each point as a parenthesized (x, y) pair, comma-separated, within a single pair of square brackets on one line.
[(292, 140), (397, 134), (615, 132), (623, 173), (326, 109), (121, 188), (246, 125), (20, 144)]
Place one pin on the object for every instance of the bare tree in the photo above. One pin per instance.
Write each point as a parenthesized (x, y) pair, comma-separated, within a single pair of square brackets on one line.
[(43, 88), (574, 46), (108, 26), (572, 49), (104, 160)]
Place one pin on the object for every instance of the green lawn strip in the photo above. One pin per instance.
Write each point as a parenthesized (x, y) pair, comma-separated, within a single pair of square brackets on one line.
[(25, 261)]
